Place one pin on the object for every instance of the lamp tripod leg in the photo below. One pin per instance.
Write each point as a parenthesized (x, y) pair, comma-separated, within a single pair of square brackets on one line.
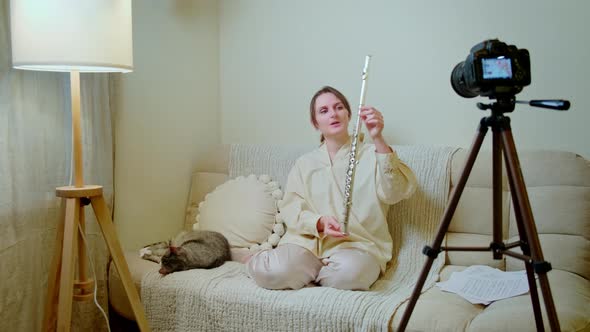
[(82, 263), (103, 217), (83, 286), (61, 283), (51, 301), (66, 289)]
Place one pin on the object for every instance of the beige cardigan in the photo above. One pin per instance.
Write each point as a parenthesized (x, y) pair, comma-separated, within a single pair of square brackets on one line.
[(315, 188)]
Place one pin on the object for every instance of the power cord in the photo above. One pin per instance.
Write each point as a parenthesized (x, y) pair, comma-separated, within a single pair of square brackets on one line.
[(95, 280), (71, 171)]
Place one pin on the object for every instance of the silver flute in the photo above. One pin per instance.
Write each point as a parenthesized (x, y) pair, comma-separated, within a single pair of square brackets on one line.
[(352, 162)]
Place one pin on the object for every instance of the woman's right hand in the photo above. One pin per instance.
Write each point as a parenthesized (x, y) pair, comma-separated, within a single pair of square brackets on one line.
[(329, 226)]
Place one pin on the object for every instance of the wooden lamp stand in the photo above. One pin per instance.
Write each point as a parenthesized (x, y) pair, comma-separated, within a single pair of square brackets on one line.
[(61, 286)]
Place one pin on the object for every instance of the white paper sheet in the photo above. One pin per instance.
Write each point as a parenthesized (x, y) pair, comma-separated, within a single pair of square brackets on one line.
[(481, 284)]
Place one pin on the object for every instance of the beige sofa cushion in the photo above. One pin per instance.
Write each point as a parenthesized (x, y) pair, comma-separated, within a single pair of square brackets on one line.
[(565, 252), (554, 168), (566, 245), (243, 209), (570, 293), (474, 212), (202, 183), (558, 186), (552, 205), (471, 224), (439, 311)]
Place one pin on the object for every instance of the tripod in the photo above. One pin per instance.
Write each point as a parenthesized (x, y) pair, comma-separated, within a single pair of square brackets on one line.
[(62, 288), (529, 239)]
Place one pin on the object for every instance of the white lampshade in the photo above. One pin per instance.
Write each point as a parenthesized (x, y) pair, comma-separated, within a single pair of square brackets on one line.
[(67, 35)]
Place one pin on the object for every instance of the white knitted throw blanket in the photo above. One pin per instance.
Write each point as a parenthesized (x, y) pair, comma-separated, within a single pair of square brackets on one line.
[(226, 299)]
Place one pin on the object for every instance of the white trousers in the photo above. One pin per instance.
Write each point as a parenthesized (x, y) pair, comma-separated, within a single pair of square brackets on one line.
[(291, 266)]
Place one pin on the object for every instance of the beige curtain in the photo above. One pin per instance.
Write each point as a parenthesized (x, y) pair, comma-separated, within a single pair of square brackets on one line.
[(35, 157)]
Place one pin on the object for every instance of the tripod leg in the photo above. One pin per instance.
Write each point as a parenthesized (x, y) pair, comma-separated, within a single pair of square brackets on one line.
[(108, 231), (528, 266), (83, 286), (497, 235), (541, 267), (432, 252), (53, 277), (66, 286)]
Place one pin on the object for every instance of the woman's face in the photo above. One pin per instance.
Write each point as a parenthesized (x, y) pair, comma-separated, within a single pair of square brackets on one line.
[(331, 116)]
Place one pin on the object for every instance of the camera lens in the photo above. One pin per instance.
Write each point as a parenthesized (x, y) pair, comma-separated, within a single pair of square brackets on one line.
[(458, 82)]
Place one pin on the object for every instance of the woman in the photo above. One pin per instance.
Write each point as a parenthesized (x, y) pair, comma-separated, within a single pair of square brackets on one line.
[(314, 249)]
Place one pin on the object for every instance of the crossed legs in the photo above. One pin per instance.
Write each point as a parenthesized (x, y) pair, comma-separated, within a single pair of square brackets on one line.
[(293, 267)]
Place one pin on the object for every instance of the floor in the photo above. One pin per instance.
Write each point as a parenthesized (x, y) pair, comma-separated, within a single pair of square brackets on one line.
[(120, 323)]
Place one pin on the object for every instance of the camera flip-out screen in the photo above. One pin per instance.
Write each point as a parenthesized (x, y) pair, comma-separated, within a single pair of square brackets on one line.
[(496, 68)]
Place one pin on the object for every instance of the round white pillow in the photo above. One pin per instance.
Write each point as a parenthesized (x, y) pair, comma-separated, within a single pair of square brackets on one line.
[(244, 210)]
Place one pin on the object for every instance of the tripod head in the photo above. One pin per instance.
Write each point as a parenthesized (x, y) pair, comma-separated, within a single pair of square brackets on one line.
[(505, 104)]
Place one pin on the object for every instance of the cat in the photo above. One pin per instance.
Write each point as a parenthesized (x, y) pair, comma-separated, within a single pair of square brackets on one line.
[(195, 250)]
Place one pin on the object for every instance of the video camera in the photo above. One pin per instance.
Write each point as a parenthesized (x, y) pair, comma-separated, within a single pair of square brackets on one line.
[(492, 68)]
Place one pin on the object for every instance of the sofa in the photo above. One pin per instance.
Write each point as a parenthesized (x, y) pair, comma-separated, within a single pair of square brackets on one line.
[(558, 185)]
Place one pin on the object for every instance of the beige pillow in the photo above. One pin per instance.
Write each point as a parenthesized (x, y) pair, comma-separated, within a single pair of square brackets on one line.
[(244, 209)]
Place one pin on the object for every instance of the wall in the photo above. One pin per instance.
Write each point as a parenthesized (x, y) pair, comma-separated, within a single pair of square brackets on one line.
[(275, 54), (243, 71), (167, 113)]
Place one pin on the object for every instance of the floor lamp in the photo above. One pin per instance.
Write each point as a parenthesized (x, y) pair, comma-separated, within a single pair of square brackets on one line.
[(76, 36)]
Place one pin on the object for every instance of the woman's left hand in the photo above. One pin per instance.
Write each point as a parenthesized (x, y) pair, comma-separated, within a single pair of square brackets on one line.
[(373, 120)]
